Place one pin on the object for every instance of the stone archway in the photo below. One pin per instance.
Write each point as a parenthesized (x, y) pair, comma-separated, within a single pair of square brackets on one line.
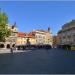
[(13, 45), (8, 46), (2, 45)]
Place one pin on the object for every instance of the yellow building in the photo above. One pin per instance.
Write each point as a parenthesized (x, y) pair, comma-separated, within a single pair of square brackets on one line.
[(22, 38), (49, 38), (32, 38)]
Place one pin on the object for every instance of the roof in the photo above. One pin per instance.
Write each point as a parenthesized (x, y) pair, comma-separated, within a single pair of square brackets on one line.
[(69, 23), (21, 34), (29, 35), (44, 31)]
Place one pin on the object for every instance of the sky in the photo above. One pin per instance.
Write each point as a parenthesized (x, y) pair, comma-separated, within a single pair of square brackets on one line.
[(33, 15)]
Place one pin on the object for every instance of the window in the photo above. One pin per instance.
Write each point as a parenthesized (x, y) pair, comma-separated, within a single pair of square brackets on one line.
[(13, 34), (69, 36), (43, 37), (64, 37), (39, 36), (2, 46), (74, 40), (36, 37), (73, 35)]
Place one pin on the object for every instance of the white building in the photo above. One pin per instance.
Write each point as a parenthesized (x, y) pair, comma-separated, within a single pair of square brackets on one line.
[(40, 37), (67, 33), (43, 37)]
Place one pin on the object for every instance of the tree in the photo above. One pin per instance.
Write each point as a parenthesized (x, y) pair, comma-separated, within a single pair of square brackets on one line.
[(4, 31)]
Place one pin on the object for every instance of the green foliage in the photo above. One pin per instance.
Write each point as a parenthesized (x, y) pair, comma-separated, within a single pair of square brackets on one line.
[(4, 31), (3, 18)]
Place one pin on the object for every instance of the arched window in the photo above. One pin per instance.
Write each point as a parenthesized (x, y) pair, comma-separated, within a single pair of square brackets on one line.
[(2, 46), (13, 45), (8, 45)]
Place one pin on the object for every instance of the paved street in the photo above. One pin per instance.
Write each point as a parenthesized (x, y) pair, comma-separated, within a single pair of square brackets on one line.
[(51, 61), (15, 51)]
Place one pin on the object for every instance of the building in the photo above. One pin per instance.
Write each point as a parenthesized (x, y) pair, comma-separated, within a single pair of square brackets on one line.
[(32, 38), (43, 36), (36, 37), (12, 38), (67, 34), (49, 38), (23, 37), (40, 36), (56, 41)]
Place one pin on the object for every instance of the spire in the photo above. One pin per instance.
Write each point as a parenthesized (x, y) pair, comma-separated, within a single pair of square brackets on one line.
[(15, 24), (49, 29)]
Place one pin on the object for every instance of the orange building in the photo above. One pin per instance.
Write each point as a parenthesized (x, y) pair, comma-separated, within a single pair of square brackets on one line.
[(22, 38), (31, 37)]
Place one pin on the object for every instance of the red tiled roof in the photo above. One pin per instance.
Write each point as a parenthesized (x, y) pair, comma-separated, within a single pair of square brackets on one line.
[(30, 35), (21, 34)]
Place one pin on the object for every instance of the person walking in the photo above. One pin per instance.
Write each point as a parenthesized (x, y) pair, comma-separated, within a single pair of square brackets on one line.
[(11, 48)]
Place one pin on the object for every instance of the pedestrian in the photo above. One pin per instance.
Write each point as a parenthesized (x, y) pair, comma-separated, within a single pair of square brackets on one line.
[(11, 49)]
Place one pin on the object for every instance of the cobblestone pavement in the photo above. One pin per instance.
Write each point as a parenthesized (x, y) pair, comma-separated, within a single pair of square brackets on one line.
[(53, 61)]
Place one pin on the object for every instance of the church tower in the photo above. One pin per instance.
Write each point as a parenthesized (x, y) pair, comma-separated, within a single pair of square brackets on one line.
[(49, 30)]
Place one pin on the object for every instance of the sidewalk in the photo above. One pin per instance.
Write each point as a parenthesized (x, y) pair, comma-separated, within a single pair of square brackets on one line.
[(15, 51)]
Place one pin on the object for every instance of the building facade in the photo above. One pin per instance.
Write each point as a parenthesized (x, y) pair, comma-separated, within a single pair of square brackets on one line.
[(56, 41), (23, 37), (37, 37), (67, 34), (40, 37), (43, 37), (32, 38), (21, 40), (12, 38)]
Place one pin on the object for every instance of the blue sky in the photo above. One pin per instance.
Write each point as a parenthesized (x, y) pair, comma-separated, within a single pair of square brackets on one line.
[(32, 15)]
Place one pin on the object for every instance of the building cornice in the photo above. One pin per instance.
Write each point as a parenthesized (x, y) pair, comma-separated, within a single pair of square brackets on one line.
[(66, 30)]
